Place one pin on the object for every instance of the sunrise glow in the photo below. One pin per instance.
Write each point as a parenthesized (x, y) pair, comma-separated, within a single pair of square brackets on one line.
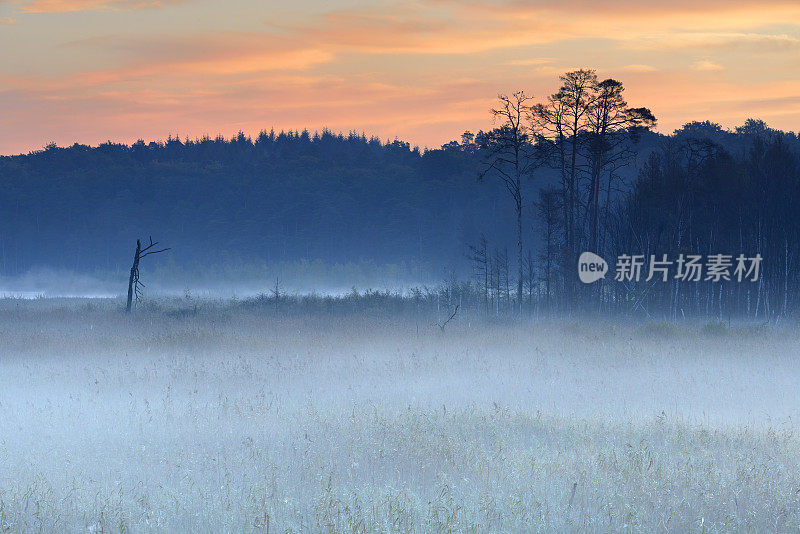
[(424, 71)]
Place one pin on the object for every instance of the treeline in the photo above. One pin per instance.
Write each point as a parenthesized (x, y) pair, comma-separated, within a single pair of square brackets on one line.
[(694, 197), (243, 203), (716, 200), (510, 209)]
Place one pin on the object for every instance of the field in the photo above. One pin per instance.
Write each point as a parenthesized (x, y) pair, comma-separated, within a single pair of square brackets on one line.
[(225, 419)]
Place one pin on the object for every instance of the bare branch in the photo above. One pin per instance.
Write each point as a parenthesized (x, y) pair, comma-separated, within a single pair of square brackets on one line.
[(154, 252), (455, 311)]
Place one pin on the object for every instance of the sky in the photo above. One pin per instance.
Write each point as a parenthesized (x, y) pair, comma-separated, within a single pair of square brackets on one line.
[(422, 71)]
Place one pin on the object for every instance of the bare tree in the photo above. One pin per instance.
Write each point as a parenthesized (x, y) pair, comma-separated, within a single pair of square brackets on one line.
[(509, 155), (530, 278), (481, 266), (613, 126), (548, 208), (501, 272), (134, 284), (452, 315), (563, 122)]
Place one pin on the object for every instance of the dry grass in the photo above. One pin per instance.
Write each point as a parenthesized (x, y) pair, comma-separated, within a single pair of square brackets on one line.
[(230, 421)]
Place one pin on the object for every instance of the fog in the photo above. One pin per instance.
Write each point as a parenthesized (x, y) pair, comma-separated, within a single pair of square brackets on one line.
[(46, 282), (236, 419)]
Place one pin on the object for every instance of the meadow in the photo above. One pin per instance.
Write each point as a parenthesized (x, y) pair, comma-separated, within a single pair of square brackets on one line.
[(226, 418)]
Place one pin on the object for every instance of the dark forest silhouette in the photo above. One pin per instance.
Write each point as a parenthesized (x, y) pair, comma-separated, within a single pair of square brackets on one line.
[(582, 167)]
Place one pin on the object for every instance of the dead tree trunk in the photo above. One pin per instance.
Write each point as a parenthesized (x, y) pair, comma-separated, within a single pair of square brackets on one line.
[(134, 285), (134, 275)]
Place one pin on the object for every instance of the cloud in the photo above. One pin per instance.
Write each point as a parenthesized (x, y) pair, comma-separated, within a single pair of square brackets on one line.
[(528, 62), (65, 6), (208, 54), (654, 10), (706, 65), (418, 29), (712, 40), (455, 27), (422, 70), (7, 20), (639, 68), (79, 112)]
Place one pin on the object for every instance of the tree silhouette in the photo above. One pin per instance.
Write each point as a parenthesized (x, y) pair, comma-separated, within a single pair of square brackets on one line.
[(508, 154), (612, 126), (562, 125), (134, 284)]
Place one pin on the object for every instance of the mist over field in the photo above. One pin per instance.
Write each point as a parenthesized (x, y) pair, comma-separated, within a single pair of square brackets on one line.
[(44, 282), (230, 417)]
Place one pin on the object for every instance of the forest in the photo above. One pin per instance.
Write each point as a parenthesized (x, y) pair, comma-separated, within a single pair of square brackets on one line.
[(502, 215)]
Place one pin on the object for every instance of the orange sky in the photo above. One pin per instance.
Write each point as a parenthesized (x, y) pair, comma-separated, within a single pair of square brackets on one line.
[(419, 70)]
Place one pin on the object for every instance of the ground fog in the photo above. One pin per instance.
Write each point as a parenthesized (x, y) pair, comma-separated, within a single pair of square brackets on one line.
[(225, 419)]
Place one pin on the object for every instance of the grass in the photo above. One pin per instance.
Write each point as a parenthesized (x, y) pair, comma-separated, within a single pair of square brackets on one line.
[(220, 418), (715, 328), (660, 330)]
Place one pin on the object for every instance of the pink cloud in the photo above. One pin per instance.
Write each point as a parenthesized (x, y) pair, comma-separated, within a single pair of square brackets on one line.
[(64, 6), (424, 71)]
